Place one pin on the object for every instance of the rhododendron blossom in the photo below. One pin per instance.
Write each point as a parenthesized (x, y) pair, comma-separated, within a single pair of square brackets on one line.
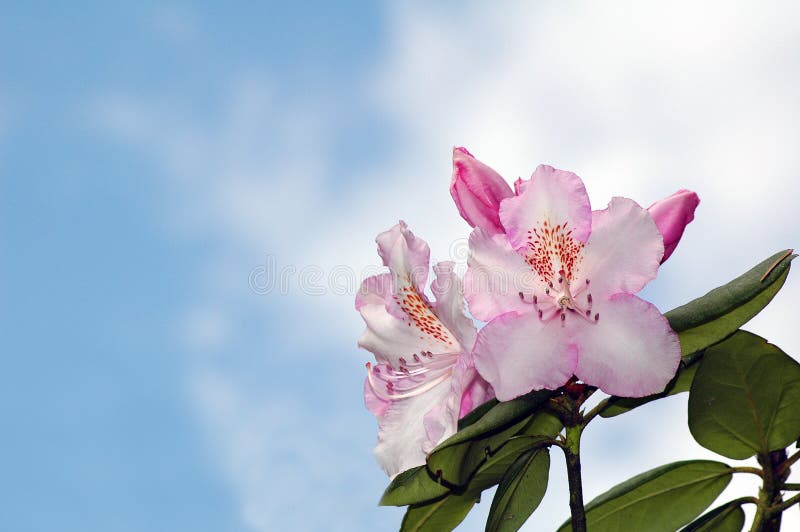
[(424, 379), (557, 287)]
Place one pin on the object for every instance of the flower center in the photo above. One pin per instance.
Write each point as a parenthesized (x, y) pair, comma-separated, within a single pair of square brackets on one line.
[(555, 256)]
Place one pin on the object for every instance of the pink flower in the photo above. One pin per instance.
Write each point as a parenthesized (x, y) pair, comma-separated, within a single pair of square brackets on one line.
[(478, 190), (558, 291), (672, 214), (424, 379)]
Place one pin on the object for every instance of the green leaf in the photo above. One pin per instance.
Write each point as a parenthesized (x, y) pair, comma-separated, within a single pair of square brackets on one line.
[(440, 515), (726, 518), (744, 398), (415, 485), (679, 384), (711, 318), (664, 498), (476, 414), (520, 491), (458, 457)]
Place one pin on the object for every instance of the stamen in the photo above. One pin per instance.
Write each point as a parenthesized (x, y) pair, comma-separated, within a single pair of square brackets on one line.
[(521, 296), (589, 298), (563, 316), (597, 317), (540, 314), (587, 281), (534, 299), (416, 358)]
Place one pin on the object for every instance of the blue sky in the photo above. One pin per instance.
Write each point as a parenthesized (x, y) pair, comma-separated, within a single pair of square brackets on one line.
[(153, 156)]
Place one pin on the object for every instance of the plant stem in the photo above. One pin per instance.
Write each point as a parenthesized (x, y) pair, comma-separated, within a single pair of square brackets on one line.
[(752, 470), (784, 505), (788, 463), (572, 454), (791, 487), (768, 517)]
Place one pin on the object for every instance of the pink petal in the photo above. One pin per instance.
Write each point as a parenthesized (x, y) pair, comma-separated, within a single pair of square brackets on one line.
[(519, 353), (630, 351), (389, 338), (374, 404), (624, 250), (404, 426), (476, 391), (672, 214), (406, 256), (449, 306), (520, 185), (496, 274), (375, 290), (477, 191), (555, 196)]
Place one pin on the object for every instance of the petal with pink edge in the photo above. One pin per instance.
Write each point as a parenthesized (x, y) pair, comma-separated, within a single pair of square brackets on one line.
[(477, 191), (475, 389), (624, 250), (374, 290), (672, 214), (406, 256), (374, 404), (449, 306), (630, 351), (496, 275), (553, 196), (390, 338), (519, 353), (403, 438)]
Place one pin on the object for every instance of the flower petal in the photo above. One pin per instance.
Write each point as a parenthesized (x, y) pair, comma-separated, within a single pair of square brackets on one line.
[(496, 275), (390, 338), (406, 256), (375, 290), (475, 389), (404, 426), (672, 214), (630, 351), (519, 353), (624, 251), (477, 191), (449, 306), (552, 195)]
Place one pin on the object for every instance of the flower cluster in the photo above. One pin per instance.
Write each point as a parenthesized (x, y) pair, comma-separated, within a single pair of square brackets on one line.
[(555, 283)]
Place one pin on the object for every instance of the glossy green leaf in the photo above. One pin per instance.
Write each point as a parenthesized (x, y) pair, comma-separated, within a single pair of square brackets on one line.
[(440, 515), (744, 398), (662, 499), (726, 518), (457, 458), (680, 383), (415, 485), (476, 414), (520, 491), (714, 316)]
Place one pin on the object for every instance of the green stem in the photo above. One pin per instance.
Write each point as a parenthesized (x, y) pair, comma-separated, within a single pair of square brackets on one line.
[(572, 454), (791, 487), (752, 470), (788, 463), (784, 505), (767, 518)]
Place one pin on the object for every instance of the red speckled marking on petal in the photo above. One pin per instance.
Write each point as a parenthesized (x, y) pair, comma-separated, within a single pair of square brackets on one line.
[(421, 315), (552, 249)]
